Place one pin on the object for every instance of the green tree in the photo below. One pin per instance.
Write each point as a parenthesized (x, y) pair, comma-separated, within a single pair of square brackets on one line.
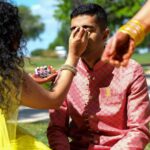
[(31, 24), (62, 14), (119, 11), (62, 37), (37, 52)]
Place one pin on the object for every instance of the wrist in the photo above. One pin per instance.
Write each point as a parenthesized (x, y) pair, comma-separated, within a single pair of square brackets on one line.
[(69, 68), (135, 29), (72, 60), (145, 25)]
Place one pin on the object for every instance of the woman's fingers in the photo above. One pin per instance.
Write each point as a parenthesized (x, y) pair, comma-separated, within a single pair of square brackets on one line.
[(74, 32), (40, 80), (129, 53), (78, 41), (109, 50), (119, 50)]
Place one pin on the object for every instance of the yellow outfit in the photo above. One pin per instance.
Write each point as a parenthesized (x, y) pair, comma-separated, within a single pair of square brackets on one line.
[(11, 136)]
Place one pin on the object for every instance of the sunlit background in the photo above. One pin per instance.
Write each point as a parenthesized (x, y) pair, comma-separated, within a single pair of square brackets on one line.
[(44, 8), (50, 32)]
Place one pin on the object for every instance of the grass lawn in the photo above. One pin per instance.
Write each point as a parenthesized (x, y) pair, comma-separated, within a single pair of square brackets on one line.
[(38, 129), (142, 58), (33, 62), (147, 147)]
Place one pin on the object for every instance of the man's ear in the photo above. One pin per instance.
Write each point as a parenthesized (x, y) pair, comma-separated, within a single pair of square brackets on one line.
[(106, 33)]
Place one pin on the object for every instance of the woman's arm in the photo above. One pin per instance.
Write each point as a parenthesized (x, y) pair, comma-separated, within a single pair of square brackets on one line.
[(143, 15), (121, 46), (33, 95)]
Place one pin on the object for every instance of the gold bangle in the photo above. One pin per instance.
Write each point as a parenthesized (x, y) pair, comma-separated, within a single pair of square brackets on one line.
[(70, 68), (135, 30)]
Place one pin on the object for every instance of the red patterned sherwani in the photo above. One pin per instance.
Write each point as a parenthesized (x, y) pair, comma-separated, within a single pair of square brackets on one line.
[(106, 108)]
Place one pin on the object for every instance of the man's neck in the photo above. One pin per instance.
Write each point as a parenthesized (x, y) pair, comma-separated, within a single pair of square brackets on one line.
[(90, 62), (90, 59)]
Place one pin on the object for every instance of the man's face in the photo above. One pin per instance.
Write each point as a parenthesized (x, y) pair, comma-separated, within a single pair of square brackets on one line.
[(96, 38)]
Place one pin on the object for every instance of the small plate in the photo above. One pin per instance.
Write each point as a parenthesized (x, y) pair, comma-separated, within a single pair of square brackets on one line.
[(40, 80)]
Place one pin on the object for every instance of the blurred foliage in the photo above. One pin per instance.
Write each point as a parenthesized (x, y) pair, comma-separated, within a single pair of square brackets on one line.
[(44, 53), (62, 37), (119, 11), (31, 24), (32, 62), (37, 52), (62, 14)]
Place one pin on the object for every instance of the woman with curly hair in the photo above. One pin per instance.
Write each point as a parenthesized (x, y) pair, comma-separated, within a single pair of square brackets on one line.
[(18, 88)]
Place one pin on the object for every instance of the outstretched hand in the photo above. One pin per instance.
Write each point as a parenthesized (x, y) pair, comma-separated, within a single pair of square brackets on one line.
[(44, 74), (40, 80), (119, 49)]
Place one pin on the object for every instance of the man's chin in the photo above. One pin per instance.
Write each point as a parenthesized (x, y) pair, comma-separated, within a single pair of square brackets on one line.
[(84, 53)]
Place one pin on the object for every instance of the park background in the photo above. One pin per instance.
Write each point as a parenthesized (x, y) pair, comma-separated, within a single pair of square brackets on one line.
[(46, 26)]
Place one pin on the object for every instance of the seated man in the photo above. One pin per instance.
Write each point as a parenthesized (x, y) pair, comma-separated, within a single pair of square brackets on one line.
[(106, 107)]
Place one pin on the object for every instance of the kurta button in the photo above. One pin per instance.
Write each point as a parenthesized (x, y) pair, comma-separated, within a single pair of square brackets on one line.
[(97, 131), (91, 117), (86, 120), (91, 140), (90, 131), (95, 141), (85, 113), (91, 134)]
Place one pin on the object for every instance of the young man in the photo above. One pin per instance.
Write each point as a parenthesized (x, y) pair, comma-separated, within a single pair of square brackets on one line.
[(106, 107)]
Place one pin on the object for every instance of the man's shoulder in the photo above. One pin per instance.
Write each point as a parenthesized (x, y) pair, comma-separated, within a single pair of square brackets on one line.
[(134, 63), (132, 67)]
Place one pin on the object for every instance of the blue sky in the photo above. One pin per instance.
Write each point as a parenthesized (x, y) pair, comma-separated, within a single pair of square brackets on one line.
[(45, 9)]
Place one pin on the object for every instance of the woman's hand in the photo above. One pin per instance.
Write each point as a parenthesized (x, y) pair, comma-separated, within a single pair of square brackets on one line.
[(119, 49), (44, 74), (40, 80), (77, 44)]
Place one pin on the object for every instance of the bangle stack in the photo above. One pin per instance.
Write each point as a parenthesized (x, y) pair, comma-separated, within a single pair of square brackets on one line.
[(70, 68), (135, 30)]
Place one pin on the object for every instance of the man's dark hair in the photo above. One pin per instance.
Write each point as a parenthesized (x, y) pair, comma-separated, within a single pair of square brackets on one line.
[(91, 9)]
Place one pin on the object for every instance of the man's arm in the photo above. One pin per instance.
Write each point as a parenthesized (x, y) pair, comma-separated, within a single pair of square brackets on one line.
[(138, 115), (58, 128)]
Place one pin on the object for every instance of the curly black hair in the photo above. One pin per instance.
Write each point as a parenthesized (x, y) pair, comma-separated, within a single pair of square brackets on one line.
[(12, 44)]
